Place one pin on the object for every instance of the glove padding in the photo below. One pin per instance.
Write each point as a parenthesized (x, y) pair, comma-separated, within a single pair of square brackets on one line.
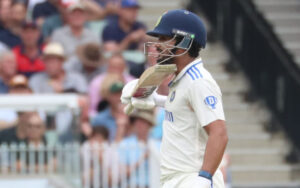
[(201, 182), (139, 103), (127, 91)]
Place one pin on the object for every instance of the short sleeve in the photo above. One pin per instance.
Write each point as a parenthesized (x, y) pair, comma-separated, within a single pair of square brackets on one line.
[(206, 100)]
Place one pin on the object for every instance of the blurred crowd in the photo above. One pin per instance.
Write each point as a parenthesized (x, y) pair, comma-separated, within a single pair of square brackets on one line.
[(91, 48), (88, 47)]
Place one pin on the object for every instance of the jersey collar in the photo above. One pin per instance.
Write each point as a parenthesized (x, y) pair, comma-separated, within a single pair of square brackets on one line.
[(177, 78)]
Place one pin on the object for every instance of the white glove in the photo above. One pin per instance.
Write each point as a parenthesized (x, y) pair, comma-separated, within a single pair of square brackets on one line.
[(139, 103), (201, 182), (127, 91), (144, 103)]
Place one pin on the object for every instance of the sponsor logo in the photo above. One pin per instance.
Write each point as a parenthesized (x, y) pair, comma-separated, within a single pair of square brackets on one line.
[(211, 101), (169, 116)]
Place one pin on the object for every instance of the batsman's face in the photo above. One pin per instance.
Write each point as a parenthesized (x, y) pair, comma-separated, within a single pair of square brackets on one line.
[(163, 49)]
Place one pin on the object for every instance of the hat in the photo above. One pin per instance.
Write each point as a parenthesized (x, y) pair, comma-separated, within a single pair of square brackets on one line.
[(130, 4), (29, 24), (111, 83), (18, 81), (54, 49), (116, 87), (75, 6), (147, 115), (89, 54)]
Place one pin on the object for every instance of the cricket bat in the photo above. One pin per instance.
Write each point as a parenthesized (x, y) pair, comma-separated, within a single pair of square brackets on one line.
[(149, 81)]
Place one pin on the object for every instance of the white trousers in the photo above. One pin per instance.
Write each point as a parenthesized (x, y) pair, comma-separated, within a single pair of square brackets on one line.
[(188, 181)]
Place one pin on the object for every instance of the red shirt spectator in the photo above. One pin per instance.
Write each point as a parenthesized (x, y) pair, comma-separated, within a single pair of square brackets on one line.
[(28, 54), (26, 65)]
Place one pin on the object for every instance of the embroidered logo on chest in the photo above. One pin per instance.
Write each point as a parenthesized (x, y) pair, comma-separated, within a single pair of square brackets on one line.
[(172, 96)]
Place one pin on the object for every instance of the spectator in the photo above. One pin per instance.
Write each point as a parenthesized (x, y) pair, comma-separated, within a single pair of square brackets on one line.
[(88, 61), (44, 9), (93, 13), (17, 85), (6, 35), (126, 30), (5, 14), (35, 130), (96, 151), (54, 22), (28, 54), (74, 33), (18, 16), (17, 133), (8, 69), (141, 121), (117, 65), (55, 79), (110, 108)]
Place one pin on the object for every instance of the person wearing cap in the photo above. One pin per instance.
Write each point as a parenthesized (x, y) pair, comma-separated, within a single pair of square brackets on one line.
[(55, 79), (74, 33), (88, 61), (28, 54), (18, 84), (141, 122), (8, 69), (126, 31), (110, 107)]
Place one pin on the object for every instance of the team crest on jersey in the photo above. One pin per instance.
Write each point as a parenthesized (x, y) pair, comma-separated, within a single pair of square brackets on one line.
[(172, 96), (211, 101)]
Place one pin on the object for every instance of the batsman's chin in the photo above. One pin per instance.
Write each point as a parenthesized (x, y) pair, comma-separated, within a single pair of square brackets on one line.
[(165, 61)]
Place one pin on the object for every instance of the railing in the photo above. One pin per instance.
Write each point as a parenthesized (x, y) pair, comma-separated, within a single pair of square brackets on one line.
[(273, 73), (87, 166), (21, 161)]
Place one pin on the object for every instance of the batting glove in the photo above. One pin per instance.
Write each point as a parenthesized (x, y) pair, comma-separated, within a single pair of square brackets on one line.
[(139, 103), (127, 91)]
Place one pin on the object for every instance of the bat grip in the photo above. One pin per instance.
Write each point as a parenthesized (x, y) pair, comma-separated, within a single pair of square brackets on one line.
[(128, 109)]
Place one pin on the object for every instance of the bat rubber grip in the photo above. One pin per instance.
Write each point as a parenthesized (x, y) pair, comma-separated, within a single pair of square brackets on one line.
[(128, 109)]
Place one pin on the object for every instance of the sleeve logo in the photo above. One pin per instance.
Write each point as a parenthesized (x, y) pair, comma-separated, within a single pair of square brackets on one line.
[(211, 101)]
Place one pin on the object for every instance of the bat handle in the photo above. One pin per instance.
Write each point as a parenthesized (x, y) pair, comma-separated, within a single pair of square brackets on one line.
[(128, 109)]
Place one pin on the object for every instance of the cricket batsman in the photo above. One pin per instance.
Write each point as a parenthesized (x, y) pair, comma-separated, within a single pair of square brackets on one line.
[(194, 131)]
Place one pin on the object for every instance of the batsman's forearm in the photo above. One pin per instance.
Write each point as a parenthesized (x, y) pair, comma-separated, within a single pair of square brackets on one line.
[(214, 151), (160, 100)]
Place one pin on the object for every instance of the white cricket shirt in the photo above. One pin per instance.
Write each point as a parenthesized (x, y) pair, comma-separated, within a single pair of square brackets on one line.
[(194, 101)]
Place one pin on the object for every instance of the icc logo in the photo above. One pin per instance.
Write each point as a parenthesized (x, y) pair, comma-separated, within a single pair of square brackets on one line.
[(172, 96), (211, 101)]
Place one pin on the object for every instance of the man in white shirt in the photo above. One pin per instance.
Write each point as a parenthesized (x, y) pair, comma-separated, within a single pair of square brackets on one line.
[(194, 131)]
